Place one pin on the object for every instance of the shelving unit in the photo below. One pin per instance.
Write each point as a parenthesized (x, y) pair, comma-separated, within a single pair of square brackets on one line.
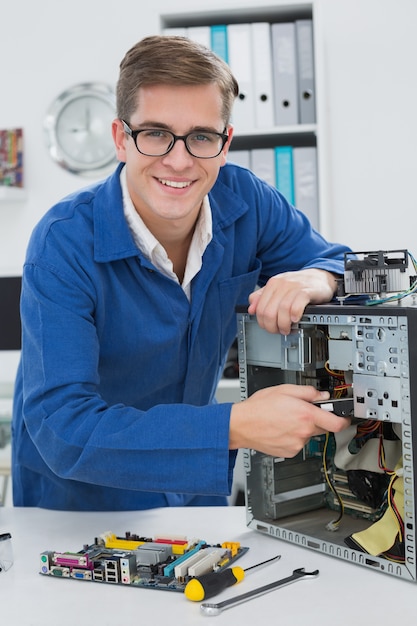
[(236, 15), (299, 135)]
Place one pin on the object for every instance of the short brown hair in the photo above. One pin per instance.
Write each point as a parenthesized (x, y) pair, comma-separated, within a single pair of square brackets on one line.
[(172, 60)]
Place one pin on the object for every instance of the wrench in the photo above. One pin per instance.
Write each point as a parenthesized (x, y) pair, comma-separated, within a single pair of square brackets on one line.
[(209, 608)]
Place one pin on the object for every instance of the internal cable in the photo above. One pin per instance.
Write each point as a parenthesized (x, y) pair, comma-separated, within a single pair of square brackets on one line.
[(334, 524)]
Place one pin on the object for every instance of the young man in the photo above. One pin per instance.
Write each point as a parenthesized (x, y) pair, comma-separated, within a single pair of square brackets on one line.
[(128, 305)]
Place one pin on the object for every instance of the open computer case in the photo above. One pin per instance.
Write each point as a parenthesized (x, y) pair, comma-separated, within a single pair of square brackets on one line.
[(350, 495)]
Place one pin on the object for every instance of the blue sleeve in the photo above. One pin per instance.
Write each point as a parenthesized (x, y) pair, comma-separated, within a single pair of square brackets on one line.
[(81, 437)]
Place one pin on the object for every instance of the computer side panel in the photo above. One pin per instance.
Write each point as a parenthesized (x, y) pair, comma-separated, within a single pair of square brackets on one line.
[(350, 495)]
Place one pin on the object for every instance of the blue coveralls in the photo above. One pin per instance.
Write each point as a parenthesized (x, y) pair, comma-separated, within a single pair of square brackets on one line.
[(114, 394)]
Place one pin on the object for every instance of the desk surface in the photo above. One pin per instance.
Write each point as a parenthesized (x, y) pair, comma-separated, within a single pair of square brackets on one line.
[(343, 593)]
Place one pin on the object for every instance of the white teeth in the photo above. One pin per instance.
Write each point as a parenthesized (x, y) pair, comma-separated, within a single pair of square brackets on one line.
[(173, 183)]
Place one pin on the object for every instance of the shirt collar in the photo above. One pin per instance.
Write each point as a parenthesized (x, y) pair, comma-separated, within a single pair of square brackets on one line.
[(152, 248)]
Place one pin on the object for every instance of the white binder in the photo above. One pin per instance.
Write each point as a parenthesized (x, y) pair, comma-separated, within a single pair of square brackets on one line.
[(262, 74), (201, 34), (240, 61), (263, 164), (240, 157), (306, 73), (285, 73), (305, 183)]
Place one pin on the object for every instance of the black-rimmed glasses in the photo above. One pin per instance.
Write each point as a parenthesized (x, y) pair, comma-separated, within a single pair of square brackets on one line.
[(158, 141)]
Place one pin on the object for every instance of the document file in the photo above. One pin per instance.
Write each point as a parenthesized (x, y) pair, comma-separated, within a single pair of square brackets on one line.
[(284, 174), (305, 183), (306, 74), (263, 164), (219, 41), (240, 61), (285, 73), (241, 157), (262, 74), (201, 34)]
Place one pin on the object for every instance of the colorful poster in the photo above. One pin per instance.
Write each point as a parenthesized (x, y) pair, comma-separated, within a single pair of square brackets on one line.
[(11, 157)]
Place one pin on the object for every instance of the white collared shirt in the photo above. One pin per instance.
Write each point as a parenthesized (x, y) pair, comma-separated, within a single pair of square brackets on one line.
[(155, 252)]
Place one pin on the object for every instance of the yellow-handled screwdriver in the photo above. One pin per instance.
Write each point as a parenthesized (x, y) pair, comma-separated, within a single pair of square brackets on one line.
[(209, 585)]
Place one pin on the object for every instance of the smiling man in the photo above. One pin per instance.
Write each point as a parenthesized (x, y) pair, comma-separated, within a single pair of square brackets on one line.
[(128, 305)]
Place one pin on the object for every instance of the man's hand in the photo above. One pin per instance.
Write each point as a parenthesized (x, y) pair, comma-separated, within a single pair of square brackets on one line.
[(283, 299), (280, 420)]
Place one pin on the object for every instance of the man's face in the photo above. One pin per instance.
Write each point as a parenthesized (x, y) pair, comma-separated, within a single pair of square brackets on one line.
[(171, 187)]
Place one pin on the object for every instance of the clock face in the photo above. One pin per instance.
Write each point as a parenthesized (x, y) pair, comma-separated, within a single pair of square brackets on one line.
[(78, 129)]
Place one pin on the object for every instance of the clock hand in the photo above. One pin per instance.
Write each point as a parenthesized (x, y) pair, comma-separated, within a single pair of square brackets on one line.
[(88, 119), (87, 123)]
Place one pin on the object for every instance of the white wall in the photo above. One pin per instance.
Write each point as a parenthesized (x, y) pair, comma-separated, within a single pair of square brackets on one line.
[(368, 49), (370, 57)]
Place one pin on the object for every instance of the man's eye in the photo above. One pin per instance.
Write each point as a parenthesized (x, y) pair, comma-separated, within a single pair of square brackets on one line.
[(155, 133), (202, 138)]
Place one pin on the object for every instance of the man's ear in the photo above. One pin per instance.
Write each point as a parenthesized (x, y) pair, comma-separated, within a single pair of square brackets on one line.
[(227, 144), (119, 138)]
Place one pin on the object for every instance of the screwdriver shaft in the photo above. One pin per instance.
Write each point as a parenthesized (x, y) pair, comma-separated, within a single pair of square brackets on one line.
[(274, 558)]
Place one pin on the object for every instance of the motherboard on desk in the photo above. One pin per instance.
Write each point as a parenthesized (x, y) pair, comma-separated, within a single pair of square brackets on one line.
[(350, 495), (164, 563)]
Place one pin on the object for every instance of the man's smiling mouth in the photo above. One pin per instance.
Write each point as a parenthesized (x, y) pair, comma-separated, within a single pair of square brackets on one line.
[(174, 183)]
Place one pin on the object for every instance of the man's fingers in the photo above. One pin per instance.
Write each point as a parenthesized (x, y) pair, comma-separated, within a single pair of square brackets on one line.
[(324, 420), (277, 310)]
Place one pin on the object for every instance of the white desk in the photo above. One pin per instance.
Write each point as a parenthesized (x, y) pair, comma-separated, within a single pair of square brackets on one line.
[(343, 594)]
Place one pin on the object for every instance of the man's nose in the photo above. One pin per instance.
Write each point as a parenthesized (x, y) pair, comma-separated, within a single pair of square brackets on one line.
[(179, 153)]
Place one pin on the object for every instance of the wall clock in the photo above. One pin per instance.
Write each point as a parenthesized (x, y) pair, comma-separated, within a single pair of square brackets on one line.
[(78, 129)]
